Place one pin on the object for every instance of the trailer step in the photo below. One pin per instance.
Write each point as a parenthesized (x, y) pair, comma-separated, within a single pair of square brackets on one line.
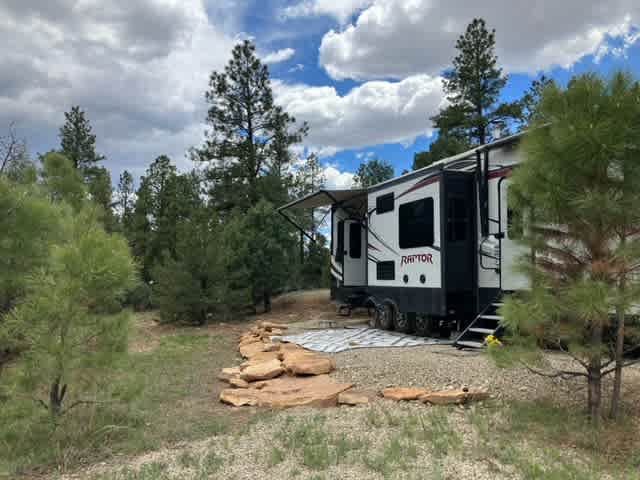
[(488, 322), (469, 344), (485, 331)]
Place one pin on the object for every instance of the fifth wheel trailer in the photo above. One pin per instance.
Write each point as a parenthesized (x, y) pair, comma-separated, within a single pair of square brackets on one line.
[(432, 249)]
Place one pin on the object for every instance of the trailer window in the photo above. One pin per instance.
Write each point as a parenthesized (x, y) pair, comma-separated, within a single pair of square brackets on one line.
[(416, 223), (457, 219), (339, 253), (514, 224), (355, 240), (384, 203), (386, 270)]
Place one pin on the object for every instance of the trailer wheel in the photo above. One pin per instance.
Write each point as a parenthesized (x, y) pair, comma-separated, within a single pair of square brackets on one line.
[(423, 325), (385, 316), (404, 322)]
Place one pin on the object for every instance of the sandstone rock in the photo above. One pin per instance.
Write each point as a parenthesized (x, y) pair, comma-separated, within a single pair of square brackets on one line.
[(235, 397), (227, 374), (262, 371), (271, 347), (249, 340), (238, 382), (461, 396), (283, 392), (403, 393), (250, 350), (307, 363), (270, 326), (259, 357), (352, 398)]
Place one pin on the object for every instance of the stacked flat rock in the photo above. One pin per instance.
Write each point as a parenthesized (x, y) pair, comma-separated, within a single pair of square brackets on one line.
[(279, 374)]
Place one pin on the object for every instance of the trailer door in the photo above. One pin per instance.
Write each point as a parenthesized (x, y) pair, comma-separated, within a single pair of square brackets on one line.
[(354, 254), (511, 252)]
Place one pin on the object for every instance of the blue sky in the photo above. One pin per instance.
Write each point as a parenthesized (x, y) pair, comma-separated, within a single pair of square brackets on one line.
[(365, 74)]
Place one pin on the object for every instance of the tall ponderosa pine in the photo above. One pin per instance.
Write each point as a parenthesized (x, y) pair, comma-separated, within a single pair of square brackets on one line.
[(473, 87), (125, 201), (579, 188), (444, 146), (373, 171), (249, 135), (77, 141)]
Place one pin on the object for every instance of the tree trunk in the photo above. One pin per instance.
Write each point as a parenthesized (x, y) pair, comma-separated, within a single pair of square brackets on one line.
[(266, 298), (56, 396), (619, 359), (595, 374)]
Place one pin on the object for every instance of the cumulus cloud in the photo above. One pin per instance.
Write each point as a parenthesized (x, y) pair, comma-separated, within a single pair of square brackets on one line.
[(342, 10), (139, 69), (398, 38), (278, 56), (373, 113), (334, 178)]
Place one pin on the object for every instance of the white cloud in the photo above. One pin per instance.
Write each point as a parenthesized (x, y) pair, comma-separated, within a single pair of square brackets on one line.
[(298, 67), (139, 70), (278, 56), (398, 38), (334, 178), (341, 10), (373, 113)]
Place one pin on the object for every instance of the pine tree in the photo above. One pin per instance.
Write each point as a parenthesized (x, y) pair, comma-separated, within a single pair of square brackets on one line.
[(125, 203), (249, 135), (444, 146), (578, 187), (532, 98), (77, 141), (473, 87), (373, 171)]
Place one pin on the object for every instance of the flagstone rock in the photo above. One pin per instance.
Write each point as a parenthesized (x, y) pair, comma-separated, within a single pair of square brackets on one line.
[(227, 374), (238, 382), (284, 392), (262, 371), (270, 326), (447, 397), (307, 363), (403, 393), (251, 349), (259, 357)]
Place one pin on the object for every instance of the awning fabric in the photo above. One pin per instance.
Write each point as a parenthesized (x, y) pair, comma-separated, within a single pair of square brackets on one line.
[(323, 198)]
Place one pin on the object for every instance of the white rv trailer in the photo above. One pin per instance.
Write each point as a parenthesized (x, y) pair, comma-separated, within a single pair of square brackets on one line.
[(432, 248)]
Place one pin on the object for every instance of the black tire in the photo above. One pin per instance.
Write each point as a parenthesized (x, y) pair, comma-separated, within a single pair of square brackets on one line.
[(422, 325), (385, 316), (404, 322)]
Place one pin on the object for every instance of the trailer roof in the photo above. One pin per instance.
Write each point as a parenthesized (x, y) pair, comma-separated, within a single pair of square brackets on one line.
[(325, 197), (445, 162)]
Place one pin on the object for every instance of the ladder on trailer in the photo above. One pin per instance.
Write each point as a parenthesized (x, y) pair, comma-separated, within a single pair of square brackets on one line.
[(488, 322)]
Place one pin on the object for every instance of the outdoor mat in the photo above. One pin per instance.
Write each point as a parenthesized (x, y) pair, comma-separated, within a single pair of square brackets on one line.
[(339, 340)]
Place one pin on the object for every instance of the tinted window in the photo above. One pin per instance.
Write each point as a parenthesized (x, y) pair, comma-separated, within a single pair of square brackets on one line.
[(457, 219), (384, 203), (339, 253), (355, 240), (386, 270), (416, 223)]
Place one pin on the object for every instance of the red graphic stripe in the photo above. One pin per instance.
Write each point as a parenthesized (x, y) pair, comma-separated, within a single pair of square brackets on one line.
[(421, 184)]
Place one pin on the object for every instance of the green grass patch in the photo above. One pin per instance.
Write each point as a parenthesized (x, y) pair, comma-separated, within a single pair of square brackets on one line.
[(311, 443)]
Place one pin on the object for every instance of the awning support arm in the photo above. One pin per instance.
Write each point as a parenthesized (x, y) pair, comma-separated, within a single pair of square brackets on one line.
[(298, 227)]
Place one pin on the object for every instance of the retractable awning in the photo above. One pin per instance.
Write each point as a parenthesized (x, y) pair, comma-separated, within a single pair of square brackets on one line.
[(320, 198), (323, 198)]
